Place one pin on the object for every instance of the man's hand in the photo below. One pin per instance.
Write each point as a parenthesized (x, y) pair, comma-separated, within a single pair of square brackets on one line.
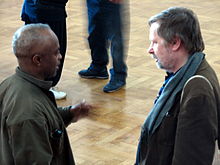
[(116, 1), (80, 110)]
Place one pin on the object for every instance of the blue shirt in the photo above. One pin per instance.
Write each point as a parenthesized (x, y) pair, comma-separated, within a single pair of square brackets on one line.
[(167, 78), (43, 10)]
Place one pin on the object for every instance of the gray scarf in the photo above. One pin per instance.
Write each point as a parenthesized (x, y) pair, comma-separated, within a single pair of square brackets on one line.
[(167, 98), (165, 103)]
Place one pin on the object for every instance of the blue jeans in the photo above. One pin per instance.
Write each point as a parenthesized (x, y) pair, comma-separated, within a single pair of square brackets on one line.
[(105, 30)]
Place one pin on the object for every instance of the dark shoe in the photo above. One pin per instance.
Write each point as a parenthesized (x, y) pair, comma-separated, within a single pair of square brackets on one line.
[(89, 73), (113, 86)]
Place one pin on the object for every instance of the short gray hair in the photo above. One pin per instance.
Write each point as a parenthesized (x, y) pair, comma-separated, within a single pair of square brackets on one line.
[(182, 23), (25, 38)]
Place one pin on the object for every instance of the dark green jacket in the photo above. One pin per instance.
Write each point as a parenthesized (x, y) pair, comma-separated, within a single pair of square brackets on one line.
[(32, 127)]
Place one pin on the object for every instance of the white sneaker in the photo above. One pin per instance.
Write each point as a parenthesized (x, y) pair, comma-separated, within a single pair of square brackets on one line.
[(58, 94)]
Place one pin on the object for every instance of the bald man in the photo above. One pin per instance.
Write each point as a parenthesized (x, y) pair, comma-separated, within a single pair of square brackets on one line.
[(32, 126)]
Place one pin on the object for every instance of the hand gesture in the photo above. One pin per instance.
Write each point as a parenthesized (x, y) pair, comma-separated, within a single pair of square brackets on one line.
[(80, 110)]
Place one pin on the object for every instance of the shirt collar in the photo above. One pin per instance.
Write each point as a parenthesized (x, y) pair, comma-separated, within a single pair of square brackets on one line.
[(40, 83)]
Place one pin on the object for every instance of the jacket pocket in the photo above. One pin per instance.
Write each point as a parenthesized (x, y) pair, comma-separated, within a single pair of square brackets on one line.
[(167, 130), (56, 140)]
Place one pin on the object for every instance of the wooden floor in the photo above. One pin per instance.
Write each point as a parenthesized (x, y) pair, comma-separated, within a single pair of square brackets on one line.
[(109, 135)]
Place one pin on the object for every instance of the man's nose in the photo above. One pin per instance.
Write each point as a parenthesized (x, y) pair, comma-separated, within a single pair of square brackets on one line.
[(60, 56), (150, 50)]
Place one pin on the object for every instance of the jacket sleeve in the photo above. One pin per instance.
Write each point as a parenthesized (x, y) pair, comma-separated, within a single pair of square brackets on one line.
[(197, 125), (65, 114), (29, 142)]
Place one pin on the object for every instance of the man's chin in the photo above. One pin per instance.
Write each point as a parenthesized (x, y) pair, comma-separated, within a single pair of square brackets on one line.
[(159, 66), (52, 76), (55, 74)]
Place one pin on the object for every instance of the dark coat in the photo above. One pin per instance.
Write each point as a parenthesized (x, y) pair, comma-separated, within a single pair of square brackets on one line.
[(187, 134)]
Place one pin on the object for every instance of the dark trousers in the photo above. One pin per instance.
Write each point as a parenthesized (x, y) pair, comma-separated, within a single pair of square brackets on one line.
[(105, 30)]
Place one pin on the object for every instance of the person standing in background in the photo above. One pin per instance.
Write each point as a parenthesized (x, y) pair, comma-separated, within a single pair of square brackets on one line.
[(107, 23), (53, 13)]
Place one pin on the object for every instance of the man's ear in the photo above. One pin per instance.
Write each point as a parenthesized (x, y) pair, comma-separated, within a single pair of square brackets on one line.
[(37, 59), (176, 43)]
